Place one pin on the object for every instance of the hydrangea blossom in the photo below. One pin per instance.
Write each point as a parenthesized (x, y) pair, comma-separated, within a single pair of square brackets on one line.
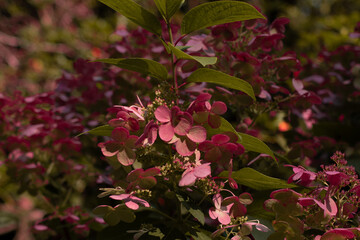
[(177, 127), (220, 149), (121, 146), (131, 201), (220, 211)]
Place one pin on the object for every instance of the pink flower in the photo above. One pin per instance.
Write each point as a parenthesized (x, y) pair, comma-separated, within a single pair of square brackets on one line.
[(203, 112), (337, 233), (149, 135), (124, 119), (220, 149), (329, 205), (237, 204), (301, 176), (143, 178), (131, 201), (336, 178), (279, 24), (177, 127), (190, 175), (220, 212), (122, 146), (260, 227)]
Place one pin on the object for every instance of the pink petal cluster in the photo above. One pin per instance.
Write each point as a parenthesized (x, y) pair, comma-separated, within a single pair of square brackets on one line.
[(220, 212), (124, 119), (203, 112), (221, 148), (177, 127), (131, 201), (301, 176), (121, 146), (142, 178), (237, 204), (329, 205), (190, 175), (149, 135)]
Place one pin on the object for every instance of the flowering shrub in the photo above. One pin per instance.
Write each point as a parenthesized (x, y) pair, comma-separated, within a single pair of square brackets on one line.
[(187, 160)]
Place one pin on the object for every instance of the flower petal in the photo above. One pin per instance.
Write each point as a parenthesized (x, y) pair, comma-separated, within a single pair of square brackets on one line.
[(188, 178), (120, 134), (197, 134), (163, 114), (223, 217), (182, 127), (110, 148), (203, 170), (166, 132), (218, 108), (185, 148), (126, 157), (220, 139)]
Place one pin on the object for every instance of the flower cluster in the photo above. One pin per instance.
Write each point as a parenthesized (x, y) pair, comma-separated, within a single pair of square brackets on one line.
[(331, 205)]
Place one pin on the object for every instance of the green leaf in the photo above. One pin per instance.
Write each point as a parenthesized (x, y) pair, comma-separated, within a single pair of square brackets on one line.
[(256, 180), (125, 214), (104, 130), (120, 213), (102, 210), (140, 65), (168, 8), (198, 214), (201, 236), (223, 79), (136, 14), (224, 127), (156, 233), (111, 217), (182, 55), (214, 13), (254, 144)]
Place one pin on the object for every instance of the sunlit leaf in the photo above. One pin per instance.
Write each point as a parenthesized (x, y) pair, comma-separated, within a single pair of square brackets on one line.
[(256, 180), (223, 79), (219, 12), (198, 214), (224, 127), (182, 55), (140, 65), (168, 8), (254, 144), (136, 14), (104, 130)]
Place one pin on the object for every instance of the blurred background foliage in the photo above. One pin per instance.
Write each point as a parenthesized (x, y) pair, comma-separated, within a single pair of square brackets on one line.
[(41, 38)]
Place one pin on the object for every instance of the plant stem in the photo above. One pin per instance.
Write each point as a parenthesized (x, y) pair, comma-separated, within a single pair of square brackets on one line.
[(173, 65)]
